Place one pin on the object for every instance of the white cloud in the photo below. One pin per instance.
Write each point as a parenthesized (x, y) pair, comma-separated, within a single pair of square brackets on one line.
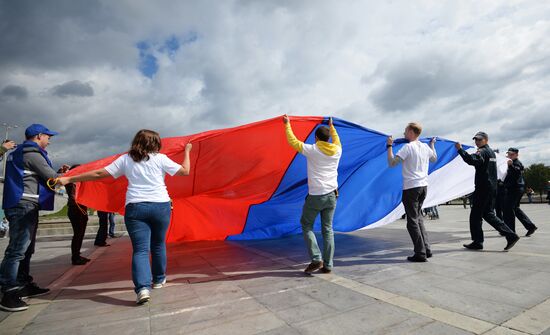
[(458, 67)]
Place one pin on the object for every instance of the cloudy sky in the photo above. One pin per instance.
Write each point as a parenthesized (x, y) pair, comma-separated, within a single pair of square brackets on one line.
[(99, 70)]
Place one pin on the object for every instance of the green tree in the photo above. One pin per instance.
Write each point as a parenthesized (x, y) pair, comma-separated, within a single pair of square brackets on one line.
[(537, 177)]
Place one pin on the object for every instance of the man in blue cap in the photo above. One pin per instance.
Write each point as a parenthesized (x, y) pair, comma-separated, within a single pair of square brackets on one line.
[(483, 204), (28, 170)]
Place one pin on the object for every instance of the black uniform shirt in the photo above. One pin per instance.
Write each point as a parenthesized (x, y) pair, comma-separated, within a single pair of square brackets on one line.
[(485, 163), (514, 176)]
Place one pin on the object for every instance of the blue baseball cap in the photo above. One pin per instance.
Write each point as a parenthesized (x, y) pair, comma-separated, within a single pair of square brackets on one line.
[(35, 129)]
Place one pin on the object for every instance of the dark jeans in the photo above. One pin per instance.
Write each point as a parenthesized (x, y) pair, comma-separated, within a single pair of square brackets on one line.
[(112, 224), (79, 221), (483, 202), (512, 210), (101, 237), (15, 268), (147, 224), (413, 199)]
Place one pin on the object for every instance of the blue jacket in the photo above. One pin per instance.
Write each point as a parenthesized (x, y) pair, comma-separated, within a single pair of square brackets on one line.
[(13, 184)]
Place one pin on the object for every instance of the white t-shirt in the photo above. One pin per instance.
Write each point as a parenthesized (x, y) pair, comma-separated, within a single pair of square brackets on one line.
[(416, 158), (322, 170), (145, 178)]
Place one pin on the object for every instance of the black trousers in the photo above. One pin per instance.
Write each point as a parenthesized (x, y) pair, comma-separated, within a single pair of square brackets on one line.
[(483, 202), (101, 237), (79, 221), (499, 202), (413, 199), (511, 210)]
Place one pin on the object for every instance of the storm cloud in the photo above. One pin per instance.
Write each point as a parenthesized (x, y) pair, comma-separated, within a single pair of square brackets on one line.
[(73, 88), (14, 92)]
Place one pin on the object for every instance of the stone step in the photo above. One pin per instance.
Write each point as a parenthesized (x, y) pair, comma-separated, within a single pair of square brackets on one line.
[(60, 231), (62, 226)]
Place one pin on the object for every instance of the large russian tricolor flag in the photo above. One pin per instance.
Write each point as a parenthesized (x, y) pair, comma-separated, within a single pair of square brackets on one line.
[(248, 183)]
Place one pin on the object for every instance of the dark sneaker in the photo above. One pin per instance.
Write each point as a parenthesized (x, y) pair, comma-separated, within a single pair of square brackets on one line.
[(324, 269), (473, 246), (32, 290), (429, 254), (511, 242), (313, 266), (11, 302), (79, 261), (85, 259), (531, 231), (417, 259)]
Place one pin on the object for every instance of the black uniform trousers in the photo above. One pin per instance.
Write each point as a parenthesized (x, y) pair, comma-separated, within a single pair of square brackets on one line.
[(512, 210), (499, 202), (483, 208)]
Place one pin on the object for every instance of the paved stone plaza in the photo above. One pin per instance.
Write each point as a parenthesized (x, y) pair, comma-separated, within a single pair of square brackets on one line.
[(258, 287)]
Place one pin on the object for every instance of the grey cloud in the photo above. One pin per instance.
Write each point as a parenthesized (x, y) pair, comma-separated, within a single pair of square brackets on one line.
[(73, 88), (58, 33), (254, 60), (14, 92), (531, 126), (409, 83)]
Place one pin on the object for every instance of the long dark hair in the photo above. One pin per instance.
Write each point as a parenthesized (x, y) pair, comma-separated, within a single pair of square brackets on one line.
[(145, 142)]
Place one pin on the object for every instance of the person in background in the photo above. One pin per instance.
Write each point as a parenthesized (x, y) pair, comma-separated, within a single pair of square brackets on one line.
[(148, 210), (78, 215), (112, 225), (101, 236), (4, 228), (530, 193), (465, 201)]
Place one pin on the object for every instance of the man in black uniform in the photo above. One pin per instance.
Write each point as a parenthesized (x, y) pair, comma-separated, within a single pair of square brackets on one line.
[(484, 161), (515, 187)]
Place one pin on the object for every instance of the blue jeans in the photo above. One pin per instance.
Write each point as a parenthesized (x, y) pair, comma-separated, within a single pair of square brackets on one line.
[(14, 271), (326, 205), (147, 223)]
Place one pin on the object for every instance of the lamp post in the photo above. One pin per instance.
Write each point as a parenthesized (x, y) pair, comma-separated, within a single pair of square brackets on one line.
[(8, 127)]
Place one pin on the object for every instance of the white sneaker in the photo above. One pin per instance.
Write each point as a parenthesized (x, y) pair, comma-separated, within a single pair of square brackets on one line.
[(159, 285), (143, 296)]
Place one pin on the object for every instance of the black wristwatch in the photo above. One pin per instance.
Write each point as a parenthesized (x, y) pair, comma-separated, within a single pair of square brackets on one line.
[(389, 145)]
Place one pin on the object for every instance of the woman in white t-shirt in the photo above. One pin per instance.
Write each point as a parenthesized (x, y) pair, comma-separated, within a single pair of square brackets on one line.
[(147, 213)]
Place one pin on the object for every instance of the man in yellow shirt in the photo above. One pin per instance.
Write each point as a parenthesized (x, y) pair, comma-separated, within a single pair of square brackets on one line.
[(323, 158)]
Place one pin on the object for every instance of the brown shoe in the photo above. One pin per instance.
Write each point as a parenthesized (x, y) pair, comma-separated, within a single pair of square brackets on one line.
[(313, 266), (324, 269)]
